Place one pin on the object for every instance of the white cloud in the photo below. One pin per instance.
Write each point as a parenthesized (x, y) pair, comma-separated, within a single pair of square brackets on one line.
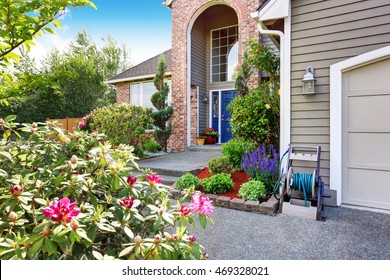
[(47, 42)]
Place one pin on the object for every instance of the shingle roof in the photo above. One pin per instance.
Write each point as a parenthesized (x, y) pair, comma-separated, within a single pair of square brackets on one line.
[(145, 68)]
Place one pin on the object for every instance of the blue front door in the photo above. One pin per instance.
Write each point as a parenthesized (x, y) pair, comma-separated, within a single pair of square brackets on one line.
[(226, 98)]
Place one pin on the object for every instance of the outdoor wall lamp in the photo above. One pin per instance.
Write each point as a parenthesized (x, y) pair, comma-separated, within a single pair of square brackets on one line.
[(308, 81)]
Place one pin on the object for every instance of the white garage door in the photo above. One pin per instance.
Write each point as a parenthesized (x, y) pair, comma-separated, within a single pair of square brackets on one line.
[(366, 136)]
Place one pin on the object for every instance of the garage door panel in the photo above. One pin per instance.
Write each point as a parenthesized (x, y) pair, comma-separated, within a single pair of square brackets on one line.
[(369, 149), (368, 187), (379, 80), (366, 135), (369, 112)]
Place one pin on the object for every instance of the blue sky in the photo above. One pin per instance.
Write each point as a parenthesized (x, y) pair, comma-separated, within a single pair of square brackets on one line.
[(144, 26)]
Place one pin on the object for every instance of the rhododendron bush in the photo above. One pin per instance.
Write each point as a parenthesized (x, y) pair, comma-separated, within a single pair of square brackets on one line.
[(75, 197)]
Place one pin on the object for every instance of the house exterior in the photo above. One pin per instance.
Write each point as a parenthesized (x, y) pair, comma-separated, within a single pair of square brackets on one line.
[(136, 86), (348, 44), (207, 43)]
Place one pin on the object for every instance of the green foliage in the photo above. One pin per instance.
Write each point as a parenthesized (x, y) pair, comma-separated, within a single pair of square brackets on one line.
[(187, 181), (234, 150), (150, 145), (70, 84), (218, 183), (252, 190), (221, 165), (252, 118), (114, 216), (40, 99), (163, 126), (256, 111), (121, 123), (242, 75), (22, 21)]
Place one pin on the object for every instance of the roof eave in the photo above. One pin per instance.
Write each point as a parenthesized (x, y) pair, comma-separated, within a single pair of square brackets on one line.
[(130, 79), (274, 9), (168, 3)]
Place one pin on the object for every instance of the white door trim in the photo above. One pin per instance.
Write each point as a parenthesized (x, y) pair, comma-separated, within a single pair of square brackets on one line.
[(336, 122), (219, 109)]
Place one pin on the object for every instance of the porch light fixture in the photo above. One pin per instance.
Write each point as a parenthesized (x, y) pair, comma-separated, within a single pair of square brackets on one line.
[(308, 81)]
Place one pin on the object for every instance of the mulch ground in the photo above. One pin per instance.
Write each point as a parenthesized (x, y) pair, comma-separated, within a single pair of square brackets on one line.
[(239, 177)]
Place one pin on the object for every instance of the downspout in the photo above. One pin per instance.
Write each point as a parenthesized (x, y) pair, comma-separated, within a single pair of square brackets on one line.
[(262, 30)]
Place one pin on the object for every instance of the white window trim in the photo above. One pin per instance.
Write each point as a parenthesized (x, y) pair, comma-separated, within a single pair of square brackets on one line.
[(211, 52), (336, 113), (141, 89)]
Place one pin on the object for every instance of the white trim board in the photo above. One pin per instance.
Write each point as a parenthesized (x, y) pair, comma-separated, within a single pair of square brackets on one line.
[(135, 78), (336, 125)]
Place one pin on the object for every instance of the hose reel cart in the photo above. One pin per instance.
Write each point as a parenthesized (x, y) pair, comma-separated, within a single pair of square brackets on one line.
[(302, 194)]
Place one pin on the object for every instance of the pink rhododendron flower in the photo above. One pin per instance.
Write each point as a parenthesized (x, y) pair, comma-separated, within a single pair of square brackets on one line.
[(191, 239), (62, 210), (153, 179), (127, 203), (131, 181), (16, 190), (184, 210), (82, 124), (202, 204)]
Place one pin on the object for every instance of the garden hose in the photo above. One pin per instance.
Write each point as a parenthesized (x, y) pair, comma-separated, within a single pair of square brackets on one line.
[(302, 183), (276, 186)]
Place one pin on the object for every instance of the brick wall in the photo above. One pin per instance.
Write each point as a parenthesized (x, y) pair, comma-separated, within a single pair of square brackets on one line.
[(122, 92), (183, 11)]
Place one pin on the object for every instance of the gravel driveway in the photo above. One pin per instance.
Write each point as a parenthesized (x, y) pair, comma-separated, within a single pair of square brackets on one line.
[(347, 234)]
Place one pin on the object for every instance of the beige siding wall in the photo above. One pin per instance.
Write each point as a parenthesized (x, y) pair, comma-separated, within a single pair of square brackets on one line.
[(324, 33), (198, 69)]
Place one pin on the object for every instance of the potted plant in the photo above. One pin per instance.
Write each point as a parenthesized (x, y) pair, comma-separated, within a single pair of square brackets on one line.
[(201, 140), (211, 135)]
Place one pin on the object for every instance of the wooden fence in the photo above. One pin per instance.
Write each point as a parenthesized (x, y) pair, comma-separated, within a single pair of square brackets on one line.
[(67, 123)]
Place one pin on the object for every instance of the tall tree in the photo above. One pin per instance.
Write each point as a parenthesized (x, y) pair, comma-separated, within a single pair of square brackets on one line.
[(160, 100)]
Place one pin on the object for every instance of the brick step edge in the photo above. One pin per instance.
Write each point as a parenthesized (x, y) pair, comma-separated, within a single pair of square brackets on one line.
[(269, 207)]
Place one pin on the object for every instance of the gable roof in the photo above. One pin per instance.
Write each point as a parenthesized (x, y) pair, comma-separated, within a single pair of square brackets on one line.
[(146, 69)]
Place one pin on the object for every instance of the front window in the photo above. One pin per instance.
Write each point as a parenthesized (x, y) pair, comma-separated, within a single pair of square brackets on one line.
[(224, 53), (141, 93)]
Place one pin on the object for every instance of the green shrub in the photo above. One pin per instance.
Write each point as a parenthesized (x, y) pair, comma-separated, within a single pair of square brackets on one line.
[(253, 118), (252, 190), (71, 197), (234, 149), (221, 165), (121, 123), (150, 145), (218, 183), (186, 181)]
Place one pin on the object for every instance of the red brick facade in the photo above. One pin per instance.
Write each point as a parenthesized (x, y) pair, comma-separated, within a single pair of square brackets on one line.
[(122, 92), (184, 13)]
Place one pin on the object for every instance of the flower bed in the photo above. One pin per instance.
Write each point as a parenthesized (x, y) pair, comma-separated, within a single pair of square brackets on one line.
[(239, 177)]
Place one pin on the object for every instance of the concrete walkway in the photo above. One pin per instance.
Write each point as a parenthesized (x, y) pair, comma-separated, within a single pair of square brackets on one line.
[(172, 166), (347, 234)]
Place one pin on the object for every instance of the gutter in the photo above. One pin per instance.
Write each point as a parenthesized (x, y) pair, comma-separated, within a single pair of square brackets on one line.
[(129, 79)]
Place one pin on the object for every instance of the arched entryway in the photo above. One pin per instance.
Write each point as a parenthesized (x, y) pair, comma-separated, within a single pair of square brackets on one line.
[(213, 48)]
